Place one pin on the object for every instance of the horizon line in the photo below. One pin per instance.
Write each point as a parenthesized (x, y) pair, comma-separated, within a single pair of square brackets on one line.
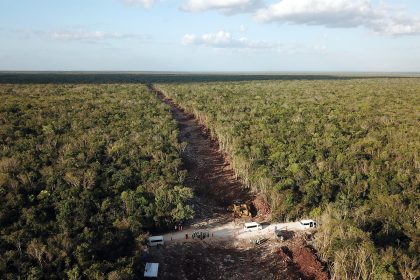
[(164, 72)]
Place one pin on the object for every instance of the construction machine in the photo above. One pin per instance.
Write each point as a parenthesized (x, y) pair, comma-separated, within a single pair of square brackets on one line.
[(240, 208)]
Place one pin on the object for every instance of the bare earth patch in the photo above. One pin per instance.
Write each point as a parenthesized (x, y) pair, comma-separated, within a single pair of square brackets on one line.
[(215, 185)]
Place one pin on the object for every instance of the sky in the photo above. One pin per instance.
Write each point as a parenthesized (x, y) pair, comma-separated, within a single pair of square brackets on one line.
[(210, 35)]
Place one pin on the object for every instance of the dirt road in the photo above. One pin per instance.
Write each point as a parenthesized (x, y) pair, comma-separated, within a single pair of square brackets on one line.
[(209, 173), (226, 253), (231, 230)]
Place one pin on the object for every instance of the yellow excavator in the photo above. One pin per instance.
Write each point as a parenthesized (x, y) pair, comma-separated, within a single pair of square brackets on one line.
[(240, 208)]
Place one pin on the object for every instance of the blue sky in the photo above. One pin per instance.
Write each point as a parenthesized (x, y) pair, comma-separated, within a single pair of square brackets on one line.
[(210, 35)]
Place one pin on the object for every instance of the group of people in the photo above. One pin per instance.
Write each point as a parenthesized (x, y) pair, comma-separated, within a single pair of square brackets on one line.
[(200, 235), (179, 227)]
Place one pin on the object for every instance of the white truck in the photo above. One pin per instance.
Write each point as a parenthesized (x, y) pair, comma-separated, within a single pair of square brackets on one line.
[(307, 224)]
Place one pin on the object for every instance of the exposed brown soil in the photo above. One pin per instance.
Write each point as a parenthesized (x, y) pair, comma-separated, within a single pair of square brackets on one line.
[(307, 262), (213, 180), (202, 260), (224, 260), (210, 174), (261, 204)]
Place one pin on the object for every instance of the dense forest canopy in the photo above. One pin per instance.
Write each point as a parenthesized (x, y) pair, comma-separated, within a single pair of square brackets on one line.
[(343, 151), (85, 171), (69, 77)]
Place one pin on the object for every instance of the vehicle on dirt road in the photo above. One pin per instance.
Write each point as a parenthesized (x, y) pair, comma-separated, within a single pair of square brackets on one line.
[(155, 241), (308, 224), (252, 226), (240, 208)]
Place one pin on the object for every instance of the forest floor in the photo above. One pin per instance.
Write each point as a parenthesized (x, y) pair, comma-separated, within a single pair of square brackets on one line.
[(227, 253)]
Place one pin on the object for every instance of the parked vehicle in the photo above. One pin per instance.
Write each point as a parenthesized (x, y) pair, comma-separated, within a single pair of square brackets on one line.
[(252, 226), (155, 241), (240, 208), (308, 224)]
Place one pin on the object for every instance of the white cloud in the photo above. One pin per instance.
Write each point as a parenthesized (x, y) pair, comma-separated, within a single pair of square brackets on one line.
[(225, 40), (341, 13), (144, 3), (222, 39), (80, 35), (225, 6), (72, 34), (83, 35)]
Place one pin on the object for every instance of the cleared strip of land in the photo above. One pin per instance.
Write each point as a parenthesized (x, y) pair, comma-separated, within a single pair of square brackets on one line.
[(211, 177)]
